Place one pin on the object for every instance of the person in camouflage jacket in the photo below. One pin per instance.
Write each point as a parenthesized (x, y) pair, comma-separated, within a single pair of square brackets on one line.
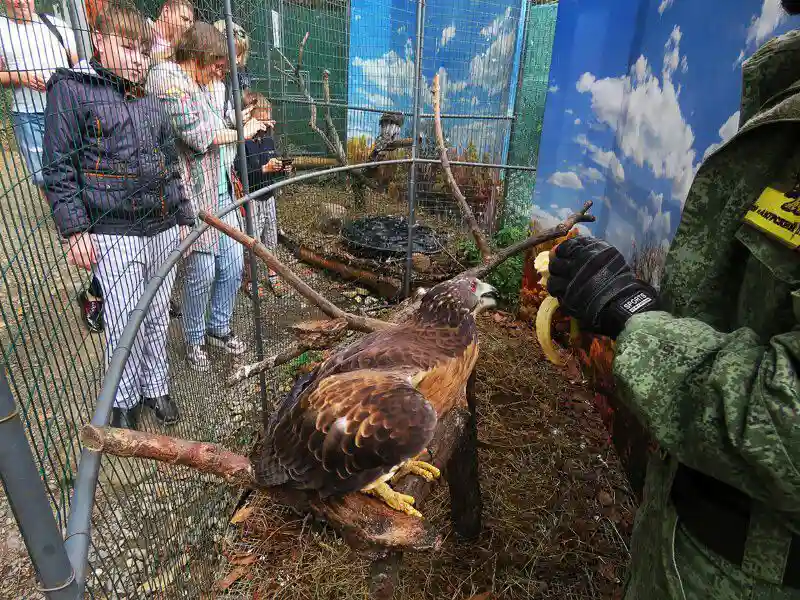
[(710, 365)]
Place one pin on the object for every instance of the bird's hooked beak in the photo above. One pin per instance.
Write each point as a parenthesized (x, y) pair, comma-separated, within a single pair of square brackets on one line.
[(487, 296)]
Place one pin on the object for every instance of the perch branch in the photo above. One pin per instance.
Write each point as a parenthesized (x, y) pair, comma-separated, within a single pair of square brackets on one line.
[(334, 145), (466, 211), (206, 458), (313, 335), (367, 524), (281, 358), (553, 233), (326, 306), (326, 98)]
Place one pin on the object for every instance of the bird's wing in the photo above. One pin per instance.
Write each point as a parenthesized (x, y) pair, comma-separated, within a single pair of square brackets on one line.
[(351, 429)]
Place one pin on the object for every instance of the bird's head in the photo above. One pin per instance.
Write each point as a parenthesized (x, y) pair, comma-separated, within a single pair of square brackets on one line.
[(451, 300)]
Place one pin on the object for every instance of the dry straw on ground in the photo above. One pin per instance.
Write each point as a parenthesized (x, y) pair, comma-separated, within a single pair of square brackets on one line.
[(557, 510)]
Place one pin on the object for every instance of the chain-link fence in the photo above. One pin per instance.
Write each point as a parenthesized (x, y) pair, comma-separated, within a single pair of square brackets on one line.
[(115, 310)]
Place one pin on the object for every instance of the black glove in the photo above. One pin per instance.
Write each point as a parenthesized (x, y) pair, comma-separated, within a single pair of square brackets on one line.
[(594, 284)]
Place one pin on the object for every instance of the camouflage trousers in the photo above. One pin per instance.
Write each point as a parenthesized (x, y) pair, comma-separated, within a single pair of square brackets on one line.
[(667, 563)]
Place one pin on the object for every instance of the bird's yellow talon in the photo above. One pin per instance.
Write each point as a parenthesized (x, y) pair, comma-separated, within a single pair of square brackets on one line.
[(396, 500), (425, 470)]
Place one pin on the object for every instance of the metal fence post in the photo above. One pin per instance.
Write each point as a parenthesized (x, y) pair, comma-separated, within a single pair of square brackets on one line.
[(412, 174), (28, 500), (248, 206), (80, 27)]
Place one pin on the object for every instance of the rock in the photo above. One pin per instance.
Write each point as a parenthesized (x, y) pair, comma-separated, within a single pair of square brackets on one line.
[(421, 262), (370, 301), (351, 294), (331, 217), (130, 563)]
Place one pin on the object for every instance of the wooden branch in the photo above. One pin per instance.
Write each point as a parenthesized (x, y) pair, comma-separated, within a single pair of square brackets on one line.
[(367, 524), (387, 287), (326, 98), (311, 335), (356, 322), (463, 477), (466, 211), (206, 458), (281, 358), (553, 233)]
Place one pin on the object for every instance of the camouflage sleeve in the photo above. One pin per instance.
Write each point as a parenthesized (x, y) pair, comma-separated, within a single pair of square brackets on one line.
[(724, 404)]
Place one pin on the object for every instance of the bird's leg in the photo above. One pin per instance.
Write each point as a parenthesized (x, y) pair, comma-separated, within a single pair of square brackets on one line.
[(418, 467), (398, 501)]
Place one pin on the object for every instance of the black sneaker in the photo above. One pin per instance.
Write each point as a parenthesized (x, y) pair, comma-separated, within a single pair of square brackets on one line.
[(164, 408), (92, 312), (125, 418)]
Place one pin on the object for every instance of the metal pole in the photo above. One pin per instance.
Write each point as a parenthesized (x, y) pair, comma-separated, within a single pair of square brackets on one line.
[(412, 174), (80, 27), (28, 500), (248, 207)]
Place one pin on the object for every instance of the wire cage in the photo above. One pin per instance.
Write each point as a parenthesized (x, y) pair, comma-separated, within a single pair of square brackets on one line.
[(348, 83)]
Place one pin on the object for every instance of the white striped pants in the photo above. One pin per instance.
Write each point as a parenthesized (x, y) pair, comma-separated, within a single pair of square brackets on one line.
[(124, 266)]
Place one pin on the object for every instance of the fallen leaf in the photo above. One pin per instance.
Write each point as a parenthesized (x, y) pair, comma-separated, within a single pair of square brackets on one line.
[(242, 515), (243, 560), (605, 498), (231, 578), (483, 596), (498, 318)]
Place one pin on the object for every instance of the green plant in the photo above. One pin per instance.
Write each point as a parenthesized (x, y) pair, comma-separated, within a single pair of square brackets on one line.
[(507, 277)]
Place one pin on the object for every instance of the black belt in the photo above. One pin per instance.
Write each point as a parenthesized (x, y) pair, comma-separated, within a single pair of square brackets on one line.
[(718, 516)]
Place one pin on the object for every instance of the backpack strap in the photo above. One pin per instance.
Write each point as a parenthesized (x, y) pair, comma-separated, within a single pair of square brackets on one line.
[(57, 34)]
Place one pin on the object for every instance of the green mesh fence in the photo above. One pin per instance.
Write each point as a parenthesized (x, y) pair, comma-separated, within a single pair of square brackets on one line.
[(160, 529), (527, 131)]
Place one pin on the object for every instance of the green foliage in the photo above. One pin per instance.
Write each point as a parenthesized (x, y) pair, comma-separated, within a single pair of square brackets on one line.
[(507, 278)]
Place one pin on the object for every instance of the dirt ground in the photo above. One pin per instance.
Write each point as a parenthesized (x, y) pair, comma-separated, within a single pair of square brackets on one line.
[(557, 509)]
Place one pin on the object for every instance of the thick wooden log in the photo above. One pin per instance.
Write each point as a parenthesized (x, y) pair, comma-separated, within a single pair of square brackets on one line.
[(234, 468), (386, 287), (463, 475), (368, 525)]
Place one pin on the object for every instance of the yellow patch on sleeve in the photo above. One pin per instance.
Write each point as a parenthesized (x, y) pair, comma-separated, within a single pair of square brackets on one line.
[(776, 215)]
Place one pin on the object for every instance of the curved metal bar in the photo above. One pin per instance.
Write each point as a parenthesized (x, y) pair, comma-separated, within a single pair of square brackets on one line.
[(79, 523)]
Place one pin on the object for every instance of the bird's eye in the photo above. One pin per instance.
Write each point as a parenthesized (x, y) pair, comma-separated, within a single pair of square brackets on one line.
[(473, 286)]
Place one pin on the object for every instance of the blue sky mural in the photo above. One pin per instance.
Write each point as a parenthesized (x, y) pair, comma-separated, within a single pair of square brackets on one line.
[(474, 46), (640, 92)]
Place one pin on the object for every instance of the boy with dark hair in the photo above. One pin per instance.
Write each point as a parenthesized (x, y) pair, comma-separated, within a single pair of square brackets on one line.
[(112, 179)]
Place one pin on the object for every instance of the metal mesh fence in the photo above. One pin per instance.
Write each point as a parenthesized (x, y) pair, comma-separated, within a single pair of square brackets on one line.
[(122, 161)]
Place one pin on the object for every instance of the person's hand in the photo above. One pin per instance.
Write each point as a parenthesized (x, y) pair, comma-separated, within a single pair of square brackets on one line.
[(287, 170), (594, 284), (30, 79), (252, 127), (275, 165), (80, 251)]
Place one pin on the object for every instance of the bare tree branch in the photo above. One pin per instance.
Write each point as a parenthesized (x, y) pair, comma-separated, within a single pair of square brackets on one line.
[(326, 96), (356, 322), (466, 211), (553, 233)]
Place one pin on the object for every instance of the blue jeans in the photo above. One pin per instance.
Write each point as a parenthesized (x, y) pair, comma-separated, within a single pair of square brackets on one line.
[(29, 131), (218, 277)]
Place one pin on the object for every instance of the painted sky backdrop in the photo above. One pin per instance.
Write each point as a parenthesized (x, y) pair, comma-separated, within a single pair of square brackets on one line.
[(474, 46), (640, 92)]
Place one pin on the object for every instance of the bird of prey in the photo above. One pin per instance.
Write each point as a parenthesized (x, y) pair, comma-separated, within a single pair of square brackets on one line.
[(365, 415), (390, 125)]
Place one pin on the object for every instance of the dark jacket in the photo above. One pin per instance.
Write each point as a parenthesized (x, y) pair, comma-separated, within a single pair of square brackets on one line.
[(110, 162), (259, 151)]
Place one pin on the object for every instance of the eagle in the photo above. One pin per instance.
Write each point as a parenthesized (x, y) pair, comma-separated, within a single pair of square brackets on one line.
[(363, 417)]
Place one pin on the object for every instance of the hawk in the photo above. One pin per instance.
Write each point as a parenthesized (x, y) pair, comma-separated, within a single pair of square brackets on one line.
[(363, 416)]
